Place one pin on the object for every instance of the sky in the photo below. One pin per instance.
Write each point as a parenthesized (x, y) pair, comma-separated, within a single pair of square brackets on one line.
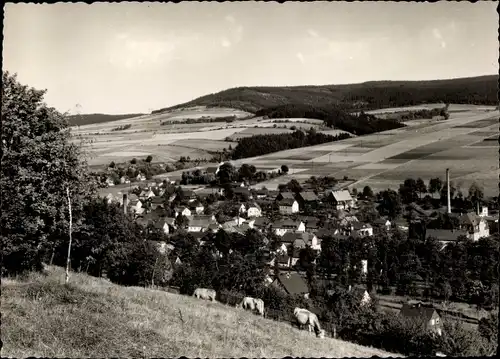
[(136, 57)]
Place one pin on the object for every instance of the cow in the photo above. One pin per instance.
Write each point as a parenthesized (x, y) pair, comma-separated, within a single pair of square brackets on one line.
[(305, 317), (202, 293), (252, 304)]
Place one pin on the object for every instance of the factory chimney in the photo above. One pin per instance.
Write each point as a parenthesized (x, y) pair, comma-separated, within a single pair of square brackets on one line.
[(125, 203), (448, 190)]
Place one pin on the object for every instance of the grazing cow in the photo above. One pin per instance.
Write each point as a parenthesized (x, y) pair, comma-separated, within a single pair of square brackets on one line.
[(252, 304), (202, 293), (305, 317)]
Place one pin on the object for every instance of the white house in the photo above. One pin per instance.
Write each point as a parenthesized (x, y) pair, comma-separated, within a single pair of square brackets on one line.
[(288, 206), (199, 224), (182, 210), (254, 210), (284, 226), (242, 209), (110, 182), (362, 229), (475, 225), (140, 177), (124, 179), (146, 194), (340, 199), (196, 206)]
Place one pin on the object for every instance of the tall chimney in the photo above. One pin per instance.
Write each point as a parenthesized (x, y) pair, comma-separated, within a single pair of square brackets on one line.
[(448, 189), (125, 203)]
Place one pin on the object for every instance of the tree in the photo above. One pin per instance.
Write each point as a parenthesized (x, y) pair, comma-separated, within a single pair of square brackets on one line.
[(390, 204), (435, 185), (421, 187), (112, 164), (149, 159), (476, 193), (294, 186), (284, 169), (181, 221), (39, 164), (367, 192), (133, 161), (408, 191)]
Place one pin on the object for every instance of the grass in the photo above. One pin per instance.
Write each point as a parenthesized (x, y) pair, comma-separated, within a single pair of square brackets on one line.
[(92, 317)]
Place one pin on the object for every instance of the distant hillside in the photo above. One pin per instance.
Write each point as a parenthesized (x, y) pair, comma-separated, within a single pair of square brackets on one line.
[(364, 96), (80, 120)]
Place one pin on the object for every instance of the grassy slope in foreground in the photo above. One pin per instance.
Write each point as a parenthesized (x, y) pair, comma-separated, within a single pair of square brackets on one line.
[(95, 318)]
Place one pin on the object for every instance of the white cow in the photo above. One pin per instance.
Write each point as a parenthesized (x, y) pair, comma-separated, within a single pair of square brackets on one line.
[(202, 293), (252, 304), (305, 317)]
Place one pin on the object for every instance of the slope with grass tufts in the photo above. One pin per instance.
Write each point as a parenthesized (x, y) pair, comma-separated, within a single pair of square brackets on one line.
[(94, 318)]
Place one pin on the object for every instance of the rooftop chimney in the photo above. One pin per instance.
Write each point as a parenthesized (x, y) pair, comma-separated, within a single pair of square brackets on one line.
[(448, 189), (125, 203)]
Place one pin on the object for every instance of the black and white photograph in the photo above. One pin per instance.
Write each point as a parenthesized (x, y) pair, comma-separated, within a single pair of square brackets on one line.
[(250, 179)]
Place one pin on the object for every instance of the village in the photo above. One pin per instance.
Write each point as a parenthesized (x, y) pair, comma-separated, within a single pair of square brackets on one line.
[(300, 216)]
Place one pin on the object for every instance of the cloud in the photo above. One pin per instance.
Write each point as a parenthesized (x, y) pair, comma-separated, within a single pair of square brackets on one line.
[(439, 37), (225, 42), (312, 33), (300, 57), (132, 51), (230, 18)]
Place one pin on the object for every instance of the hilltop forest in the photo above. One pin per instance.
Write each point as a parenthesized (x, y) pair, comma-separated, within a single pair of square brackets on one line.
[(364, 96)]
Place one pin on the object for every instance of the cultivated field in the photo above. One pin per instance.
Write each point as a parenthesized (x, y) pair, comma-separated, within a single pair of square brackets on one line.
[(386, 159), (95, 318), (167, 142)]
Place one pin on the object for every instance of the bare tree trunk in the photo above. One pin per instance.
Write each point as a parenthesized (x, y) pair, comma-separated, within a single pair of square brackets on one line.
[(68, 260), (153, 275)]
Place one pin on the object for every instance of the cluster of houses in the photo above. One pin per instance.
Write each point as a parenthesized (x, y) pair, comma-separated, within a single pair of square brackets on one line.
[(255, 209)]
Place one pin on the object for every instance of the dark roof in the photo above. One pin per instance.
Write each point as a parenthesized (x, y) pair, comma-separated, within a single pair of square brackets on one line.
[(470, 219), (360, 225), (282, 258), (445, 235), (286, 223), (417, 311), (188, 193), (380, 221), (308, 196), (286, 202), (293, 283), (285, 195), (212, 169), (261, 221), (241, 190), (324, 232)]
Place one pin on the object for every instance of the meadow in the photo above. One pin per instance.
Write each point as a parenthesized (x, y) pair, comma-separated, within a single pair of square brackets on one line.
[(384, 160), (167, 142), (42, 317), (381, 160)]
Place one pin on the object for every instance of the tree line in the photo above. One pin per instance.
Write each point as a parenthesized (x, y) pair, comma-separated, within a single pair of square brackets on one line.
[(334, 117), (263, 144)]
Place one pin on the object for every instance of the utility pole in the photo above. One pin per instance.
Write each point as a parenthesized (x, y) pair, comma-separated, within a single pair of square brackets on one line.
[(68, 260)]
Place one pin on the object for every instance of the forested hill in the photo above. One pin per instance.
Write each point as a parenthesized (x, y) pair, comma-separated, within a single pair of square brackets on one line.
[(80, 120), (363, 96)]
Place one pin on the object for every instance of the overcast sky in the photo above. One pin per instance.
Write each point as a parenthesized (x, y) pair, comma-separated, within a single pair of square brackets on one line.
[(135, 57)]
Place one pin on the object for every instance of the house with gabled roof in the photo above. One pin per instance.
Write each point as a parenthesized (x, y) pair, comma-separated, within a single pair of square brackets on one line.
[(288, 206), (254, 210), (156, 202), (124, 179), (287, 225), (361, 229), (284, 195), (306, 198), (261, 223), (475, 225), (382, 223), (140, 177), (340, 199), (243, 193), (146, 194), (182, 210), (425, 314), (446, 236), (197, 224), (291, 283), (196, 206), (261, 193)]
